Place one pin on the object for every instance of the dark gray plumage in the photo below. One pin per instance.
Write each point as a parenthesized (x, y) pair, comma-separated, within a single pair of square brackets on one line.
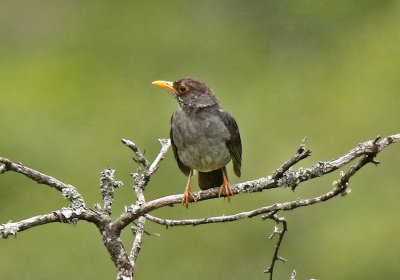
[(204, 137)]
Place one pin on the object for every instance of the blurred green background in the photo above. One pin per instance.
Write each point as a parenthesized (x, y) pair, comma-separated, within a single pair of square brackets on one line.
[(75, 78)]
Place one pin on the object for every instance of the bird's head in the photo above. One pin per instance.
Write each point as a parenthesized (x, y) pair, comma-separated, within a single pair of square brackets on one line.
[(190, 93)]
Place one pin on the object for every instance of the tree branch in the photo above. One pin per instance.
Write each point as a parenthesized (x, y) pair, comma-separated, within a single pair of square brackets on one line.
[(290, 178), (138, 231), (280, 234), (339, 187), (165, 144), (284, 176), (12, 228), (68, 191), (141, 179), (65, 215), (301, 154), (140, 156)]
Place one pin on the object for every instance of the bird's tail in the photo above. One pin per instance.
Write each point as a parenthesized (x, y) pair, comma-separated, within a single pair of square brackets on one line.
[(210, 179)]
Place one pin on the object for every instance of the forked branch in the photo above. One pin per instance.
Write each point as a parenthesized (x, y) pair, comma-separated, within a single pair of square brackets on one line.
[(283, 176)]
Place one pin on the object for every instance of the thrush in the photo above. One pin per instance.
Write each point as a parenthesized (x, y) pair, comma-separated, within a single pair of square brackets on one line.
[(203, 137)]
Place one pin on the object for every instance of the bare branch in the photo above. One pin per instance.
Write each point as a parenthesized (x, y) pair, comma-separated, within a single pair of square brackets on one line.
[(134, 227), (290, 178), (165, 144), (368, 147), (141, 159), (12, 228), (68, 191), (137, 243), (301, 153), (280, 234), (340, 186), (284, 176), (140, 182), (208, 220), (141, 177), (65, 215)]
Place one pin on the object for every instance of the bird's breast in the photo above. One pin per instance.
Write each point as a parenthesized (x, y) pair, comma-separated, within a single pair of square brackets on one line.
[(200, 140)]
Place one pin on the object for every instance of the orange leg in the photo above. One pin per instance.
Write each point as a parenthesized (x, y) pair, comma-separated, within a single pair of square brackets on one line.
[(225, 186), (188, 191)]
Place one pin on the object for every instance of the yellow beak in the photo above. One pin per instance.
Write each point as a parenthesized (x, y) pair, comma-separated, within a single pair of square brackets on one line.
[(165, 84)]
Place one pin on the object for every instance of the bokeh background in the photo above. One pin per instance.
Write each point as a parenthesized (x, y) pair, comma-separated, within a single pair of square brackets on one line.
[(75, 78)]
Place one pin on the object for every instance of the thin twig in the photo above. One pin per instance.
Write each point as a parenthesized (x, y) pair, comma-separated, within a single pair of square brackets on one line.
[(165, 144), (134, 227), (207, 220), (137, 243), (280, 234), (142, 177), (301, 154), (140, 184), (141, 159)]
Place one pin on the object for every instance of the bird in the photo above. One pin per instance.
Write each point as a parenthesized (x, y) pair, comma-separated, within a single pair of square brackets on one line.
[(204, 137)]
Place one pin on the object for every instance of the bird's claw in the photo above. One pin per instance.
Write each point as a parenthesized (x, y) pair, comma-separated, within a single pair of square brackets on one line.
[(186, 197), (226, 188)]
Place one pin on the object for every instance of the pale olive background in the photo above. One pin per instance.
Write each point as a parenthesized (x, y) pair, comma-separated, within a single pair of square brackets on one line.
[(75, 78)]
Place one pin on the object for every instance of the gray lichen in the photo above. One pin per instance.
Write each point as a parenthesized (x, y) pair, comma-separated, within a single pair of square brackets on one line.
[(293, 178), (108, 185), (8, 229), (69, 214), (259, 184), (72, 195)]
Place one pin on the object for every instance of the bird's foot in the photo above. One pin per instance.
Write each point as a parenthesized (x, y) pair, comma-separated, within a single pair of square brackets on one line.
[(187, 195), (226, 189)]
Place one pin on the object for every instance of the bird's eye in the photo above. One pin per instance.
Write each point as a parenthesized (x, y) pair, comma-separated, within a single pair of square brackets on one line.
[(182, 88)]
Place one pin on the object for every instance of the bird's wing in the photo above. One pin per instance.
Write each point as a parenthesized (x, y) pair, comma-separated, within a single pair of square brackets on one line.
[(234, 143), (182, 167)]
